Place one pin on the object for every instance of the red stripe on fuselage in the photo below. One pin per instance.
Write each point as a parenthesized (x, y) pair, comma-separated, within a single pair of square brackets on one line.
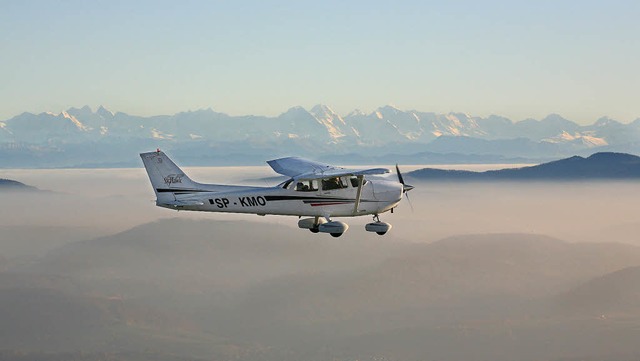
[(328, 204)]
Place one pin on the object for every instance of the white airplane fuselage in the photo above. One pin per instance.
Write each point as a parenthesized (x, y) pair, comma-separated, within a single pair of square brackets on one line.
[(378, 196)]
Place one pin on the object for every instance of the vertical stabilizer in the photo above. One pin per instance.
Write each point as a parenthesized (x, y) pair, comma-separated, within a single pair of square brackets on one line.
[(166, 177)]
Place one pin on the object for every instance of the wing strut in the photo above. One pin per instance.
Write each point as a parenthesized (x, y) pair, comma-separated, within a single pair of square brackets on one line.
[(360, 182)]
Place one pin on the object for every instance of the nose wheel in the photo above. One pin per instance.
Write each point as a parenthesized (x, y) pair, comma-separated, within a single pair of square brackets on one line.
[(379, 227)]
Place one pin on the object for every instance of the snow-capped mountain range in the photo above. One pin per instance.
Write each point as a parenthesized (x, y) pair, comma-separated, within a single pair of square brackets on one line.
[(318, 130)]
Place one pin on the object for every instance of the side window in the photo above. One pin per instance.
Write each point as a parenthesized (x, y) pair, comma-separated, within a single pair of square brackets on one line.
[(354, 181), (333, 183), (286, 184), (307, 186)]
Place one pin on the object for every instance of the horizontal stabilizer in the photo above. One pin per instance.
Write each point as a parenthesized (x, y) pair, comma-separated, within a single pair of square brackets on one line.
[(184, 203)]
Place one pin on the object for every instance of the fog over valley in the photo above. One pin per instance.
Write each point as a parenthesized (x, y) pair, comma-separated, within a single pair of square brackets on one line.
[(105, 201), (91, 268)]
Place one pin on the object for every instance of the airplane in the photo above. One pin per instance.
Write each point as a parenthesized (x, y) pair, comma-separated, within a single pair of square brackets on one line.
[(314, 190)]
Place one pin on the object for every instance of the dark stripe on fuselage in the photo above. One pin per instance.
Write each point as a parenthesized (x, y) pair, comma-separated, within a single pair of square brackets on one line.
[(305, 199), (308, 199), (295, 198)]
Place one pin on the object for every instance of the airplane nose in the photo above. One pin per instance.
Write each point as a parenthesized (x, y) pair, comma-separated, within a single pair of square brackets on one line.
[(398, 190), (406, 188), (388, 191)]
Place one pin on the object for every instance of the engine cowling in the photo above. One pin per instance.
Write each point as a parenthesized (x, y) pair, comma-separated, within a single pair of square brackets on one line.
[(379, 227)]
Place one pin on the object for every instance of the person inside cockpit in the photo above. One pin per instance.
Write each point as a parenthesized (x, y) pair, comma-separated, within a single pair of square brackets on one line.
[(307, 186), (331, 183)]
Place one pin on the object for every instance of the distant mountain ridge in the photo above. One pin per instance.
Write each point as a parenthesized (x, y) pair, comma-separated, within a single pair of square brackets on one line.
[(386, 124), (613, 166), (616, 291), (80, 136)]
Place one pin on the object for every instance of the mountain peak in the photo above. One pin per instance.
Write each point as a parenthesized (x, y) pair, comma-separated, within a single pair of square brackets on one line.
[(614, 157), (83, 112), (555, 118), (389, 109), (85, 108), (605, 121), (360, 113), (296, 110), (74, 120), (390, 106), (460, 115), (104, 112), (12, 185), (322, 109), (332, 121)]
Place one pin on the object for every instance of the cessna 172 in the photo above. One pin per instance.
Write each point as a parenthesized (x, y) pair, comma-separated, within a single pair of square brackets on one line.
[(315, 190)]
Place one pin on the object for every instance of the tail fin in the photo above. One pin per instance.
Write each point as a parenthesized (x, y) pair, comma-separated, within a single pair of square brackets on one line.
[(166, 177)]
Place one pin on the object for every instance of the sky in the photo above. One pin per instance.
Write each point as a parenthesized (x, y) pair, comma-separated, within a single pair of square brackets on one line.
[(519, 59)]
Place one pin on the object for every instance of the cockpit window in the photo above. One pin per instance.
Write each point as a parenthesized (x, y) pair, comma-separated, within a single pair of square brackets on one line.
[(333, 183), (354, 181), (286, 184), (307, 186)]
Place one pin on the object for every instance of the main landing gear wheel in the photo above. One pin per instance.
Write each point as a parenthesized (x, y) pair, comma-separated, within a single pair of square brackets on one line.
[(324, 225), (312, 224)]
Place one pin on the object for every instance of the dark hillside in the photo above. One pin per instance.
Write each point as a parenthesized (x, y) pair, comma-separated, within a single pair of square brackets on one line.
[(605, 166)]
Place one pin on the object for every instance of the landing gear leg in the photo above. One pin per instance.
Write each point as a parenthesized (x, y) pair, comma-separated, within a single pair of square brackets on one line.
[(376, 218), (316, 224)]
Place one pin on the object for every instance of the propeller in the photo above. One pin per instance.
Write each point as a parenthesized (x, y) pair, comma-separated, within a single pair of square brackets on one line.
[(405, 187)]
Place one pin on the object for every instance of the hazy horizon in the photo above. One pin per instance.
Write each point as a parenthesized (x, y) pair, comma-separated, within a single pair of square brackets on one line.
[(558, 209)]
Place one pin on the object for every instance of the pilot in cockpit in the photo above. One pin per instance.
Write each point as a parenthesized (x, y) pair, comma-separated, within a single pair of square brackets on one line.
[(331, 183)]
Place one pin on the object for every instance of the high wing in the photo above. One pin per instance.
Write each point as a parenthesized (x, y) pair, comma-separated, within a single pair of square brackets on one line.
[(300, 168)]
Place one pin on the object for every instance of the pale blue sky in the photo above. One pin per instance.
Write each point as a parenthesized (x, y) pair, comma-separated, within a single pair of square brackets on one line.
[(514, 58)]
